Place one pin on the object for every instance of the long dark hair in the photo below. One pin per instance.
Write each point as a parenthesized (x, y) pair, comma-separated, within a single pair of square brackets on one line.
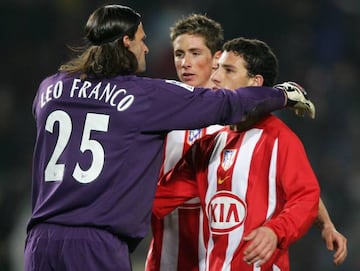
[(105, 55)]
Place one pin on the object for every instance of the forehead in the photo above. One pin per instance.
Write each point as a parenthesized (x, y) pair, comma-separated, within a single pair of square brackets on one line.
[(189, 41), (140, 31), (230, 58)]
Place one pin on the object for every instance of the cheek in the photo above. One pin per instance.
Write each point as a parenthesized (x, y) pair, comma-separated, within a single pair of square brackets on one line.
[(141, 50), (177, 64), (237, 81), (203, 63), (137, 50), (205, 68)]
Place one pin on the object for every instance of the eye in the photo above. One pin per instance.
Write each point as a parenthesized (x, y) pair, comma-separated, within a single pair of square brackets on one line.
[(179, 54)]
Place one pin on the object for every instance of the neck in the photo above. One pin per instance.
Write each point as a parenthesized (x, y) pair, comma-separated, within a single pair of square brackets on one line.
[(245, 125)]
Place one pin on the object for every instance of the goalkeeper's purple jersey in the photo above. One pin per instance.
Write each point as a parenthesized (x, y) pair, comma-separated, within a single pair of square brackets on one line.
[(99, 144)]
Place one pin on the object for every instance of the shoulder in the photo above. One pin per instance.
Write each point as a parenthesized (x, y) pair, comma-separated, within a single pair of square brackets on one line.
[(287, 138), (275, 125), (166, 84)]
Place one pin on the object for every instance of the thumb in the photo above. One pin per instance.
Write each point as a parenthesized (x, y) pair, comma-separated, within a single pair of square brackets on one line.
[(250, 236), (330, 245)]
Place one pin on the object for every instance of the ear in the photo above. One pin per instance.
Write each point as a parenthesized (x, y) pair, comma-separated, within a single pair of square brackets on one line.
[(258, 80), (215, 60), (126, 41)]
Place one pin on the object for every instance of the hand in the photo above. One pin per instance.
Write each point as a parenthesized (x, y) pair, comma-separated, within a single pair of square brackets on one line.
[(297, 99), (335, 241), (262, 244)]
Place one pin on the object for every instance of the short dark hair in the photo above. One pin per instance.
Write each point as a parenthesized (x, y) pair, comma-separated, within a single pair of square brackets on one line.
[(105, 54), (259, 57), (200, 25)]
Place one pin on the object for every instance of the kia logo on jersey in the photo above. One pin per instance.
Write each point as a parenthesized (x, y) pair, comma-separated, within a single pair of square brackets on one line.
[(226, 212)]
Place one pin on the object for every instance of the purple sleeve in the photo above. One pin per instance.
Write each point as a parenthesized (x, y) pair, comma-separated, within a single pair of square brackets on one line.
[(175, 107)]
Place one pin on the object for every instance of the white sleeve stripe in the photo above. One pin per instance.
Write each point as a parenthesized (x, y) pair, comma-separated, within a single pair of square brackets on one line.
[(272, 181)]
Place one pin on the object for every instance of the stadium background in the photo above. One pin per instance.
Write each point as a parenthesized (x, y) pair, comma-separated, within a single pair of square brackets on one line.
[(317, 43)]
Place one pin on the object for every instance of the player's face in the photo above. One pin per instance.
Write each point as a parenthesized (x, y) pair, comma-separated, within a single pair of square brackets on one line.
[(231, 72), (193, 60), (139, 48)]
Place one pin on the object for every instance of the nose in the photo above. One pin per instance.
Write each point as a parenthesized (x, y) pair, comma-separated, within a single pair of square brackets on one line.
[(146, 49), (185, 62), (215, 77)]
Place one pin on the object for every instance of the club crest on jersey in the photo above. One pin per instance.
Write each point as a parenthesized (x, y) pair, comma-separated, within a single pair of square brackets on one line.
[(228, 158), (192, 135), (226, 212)]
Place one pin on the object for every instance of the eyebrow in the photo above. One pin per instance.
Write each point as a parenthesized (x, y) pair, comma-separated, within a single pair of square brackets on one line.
[(195, 49), (228, 66), (192, 50)]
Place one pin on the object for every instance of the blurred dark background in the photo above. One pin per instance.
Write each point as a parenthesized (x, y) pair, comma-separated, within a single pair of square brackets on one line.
[(317, 43)]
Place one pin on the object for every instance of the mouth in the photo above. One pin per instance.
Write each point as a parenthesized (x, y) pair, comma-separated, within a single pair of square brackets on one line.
[(188, 76), (215, 85)]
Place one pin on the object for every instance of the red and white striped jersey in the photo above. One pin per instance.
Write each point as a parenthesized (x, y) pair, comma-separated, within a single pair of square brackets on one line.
[(177, 242), (261, 176)]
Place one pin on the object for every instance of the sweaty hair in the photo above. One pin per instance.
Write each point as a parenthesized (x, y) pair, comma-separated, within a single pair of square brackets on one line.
[(200, 25), (105, 54), (258, 56)]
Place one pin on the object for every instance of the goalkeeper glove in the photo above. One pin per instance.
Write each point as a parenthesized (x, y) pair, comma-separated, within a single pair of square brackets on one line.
[(297, 99)]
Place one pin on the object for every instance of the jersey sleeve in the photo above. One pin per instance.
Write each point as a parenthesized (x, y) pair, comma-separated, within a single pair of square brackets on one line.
[(176, 186), (177, 106), (299, 190)]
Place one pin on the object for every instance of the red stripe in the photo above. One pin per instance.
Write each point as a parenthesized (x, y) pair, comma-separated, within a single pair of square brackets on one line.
[(188, 243)]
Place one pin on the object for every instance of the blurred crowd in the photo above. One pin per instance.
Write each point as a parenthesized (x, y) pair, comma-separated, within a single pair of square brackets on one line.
[(317, 43)]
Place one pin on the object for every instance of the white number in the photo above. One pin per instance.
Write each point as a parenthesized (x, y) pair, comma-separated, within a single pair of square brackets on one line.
[(54, 171), (98, 123), (93, 122)]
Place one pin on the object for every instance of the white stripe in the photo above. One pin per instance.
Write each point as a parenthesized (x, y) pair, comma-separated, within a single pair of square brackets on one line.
[(173, 149), (169, 258), (242, 166), (214, 163), (276, 268), (213, 128), (272, 181), (240, 180)]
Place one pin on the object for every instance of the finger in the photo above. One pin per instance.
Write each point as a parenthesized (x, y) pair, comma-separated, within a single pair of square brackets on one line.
[(250, 236), (259, 256), (252, 254), (340, 258), (329, 244), (340, 255), (251, 247), (258, 252), (264, 259)]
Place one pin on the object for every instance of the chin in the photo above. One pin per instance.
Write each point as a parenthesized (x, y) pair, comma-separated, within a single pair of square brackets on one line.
[(142, 69)]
